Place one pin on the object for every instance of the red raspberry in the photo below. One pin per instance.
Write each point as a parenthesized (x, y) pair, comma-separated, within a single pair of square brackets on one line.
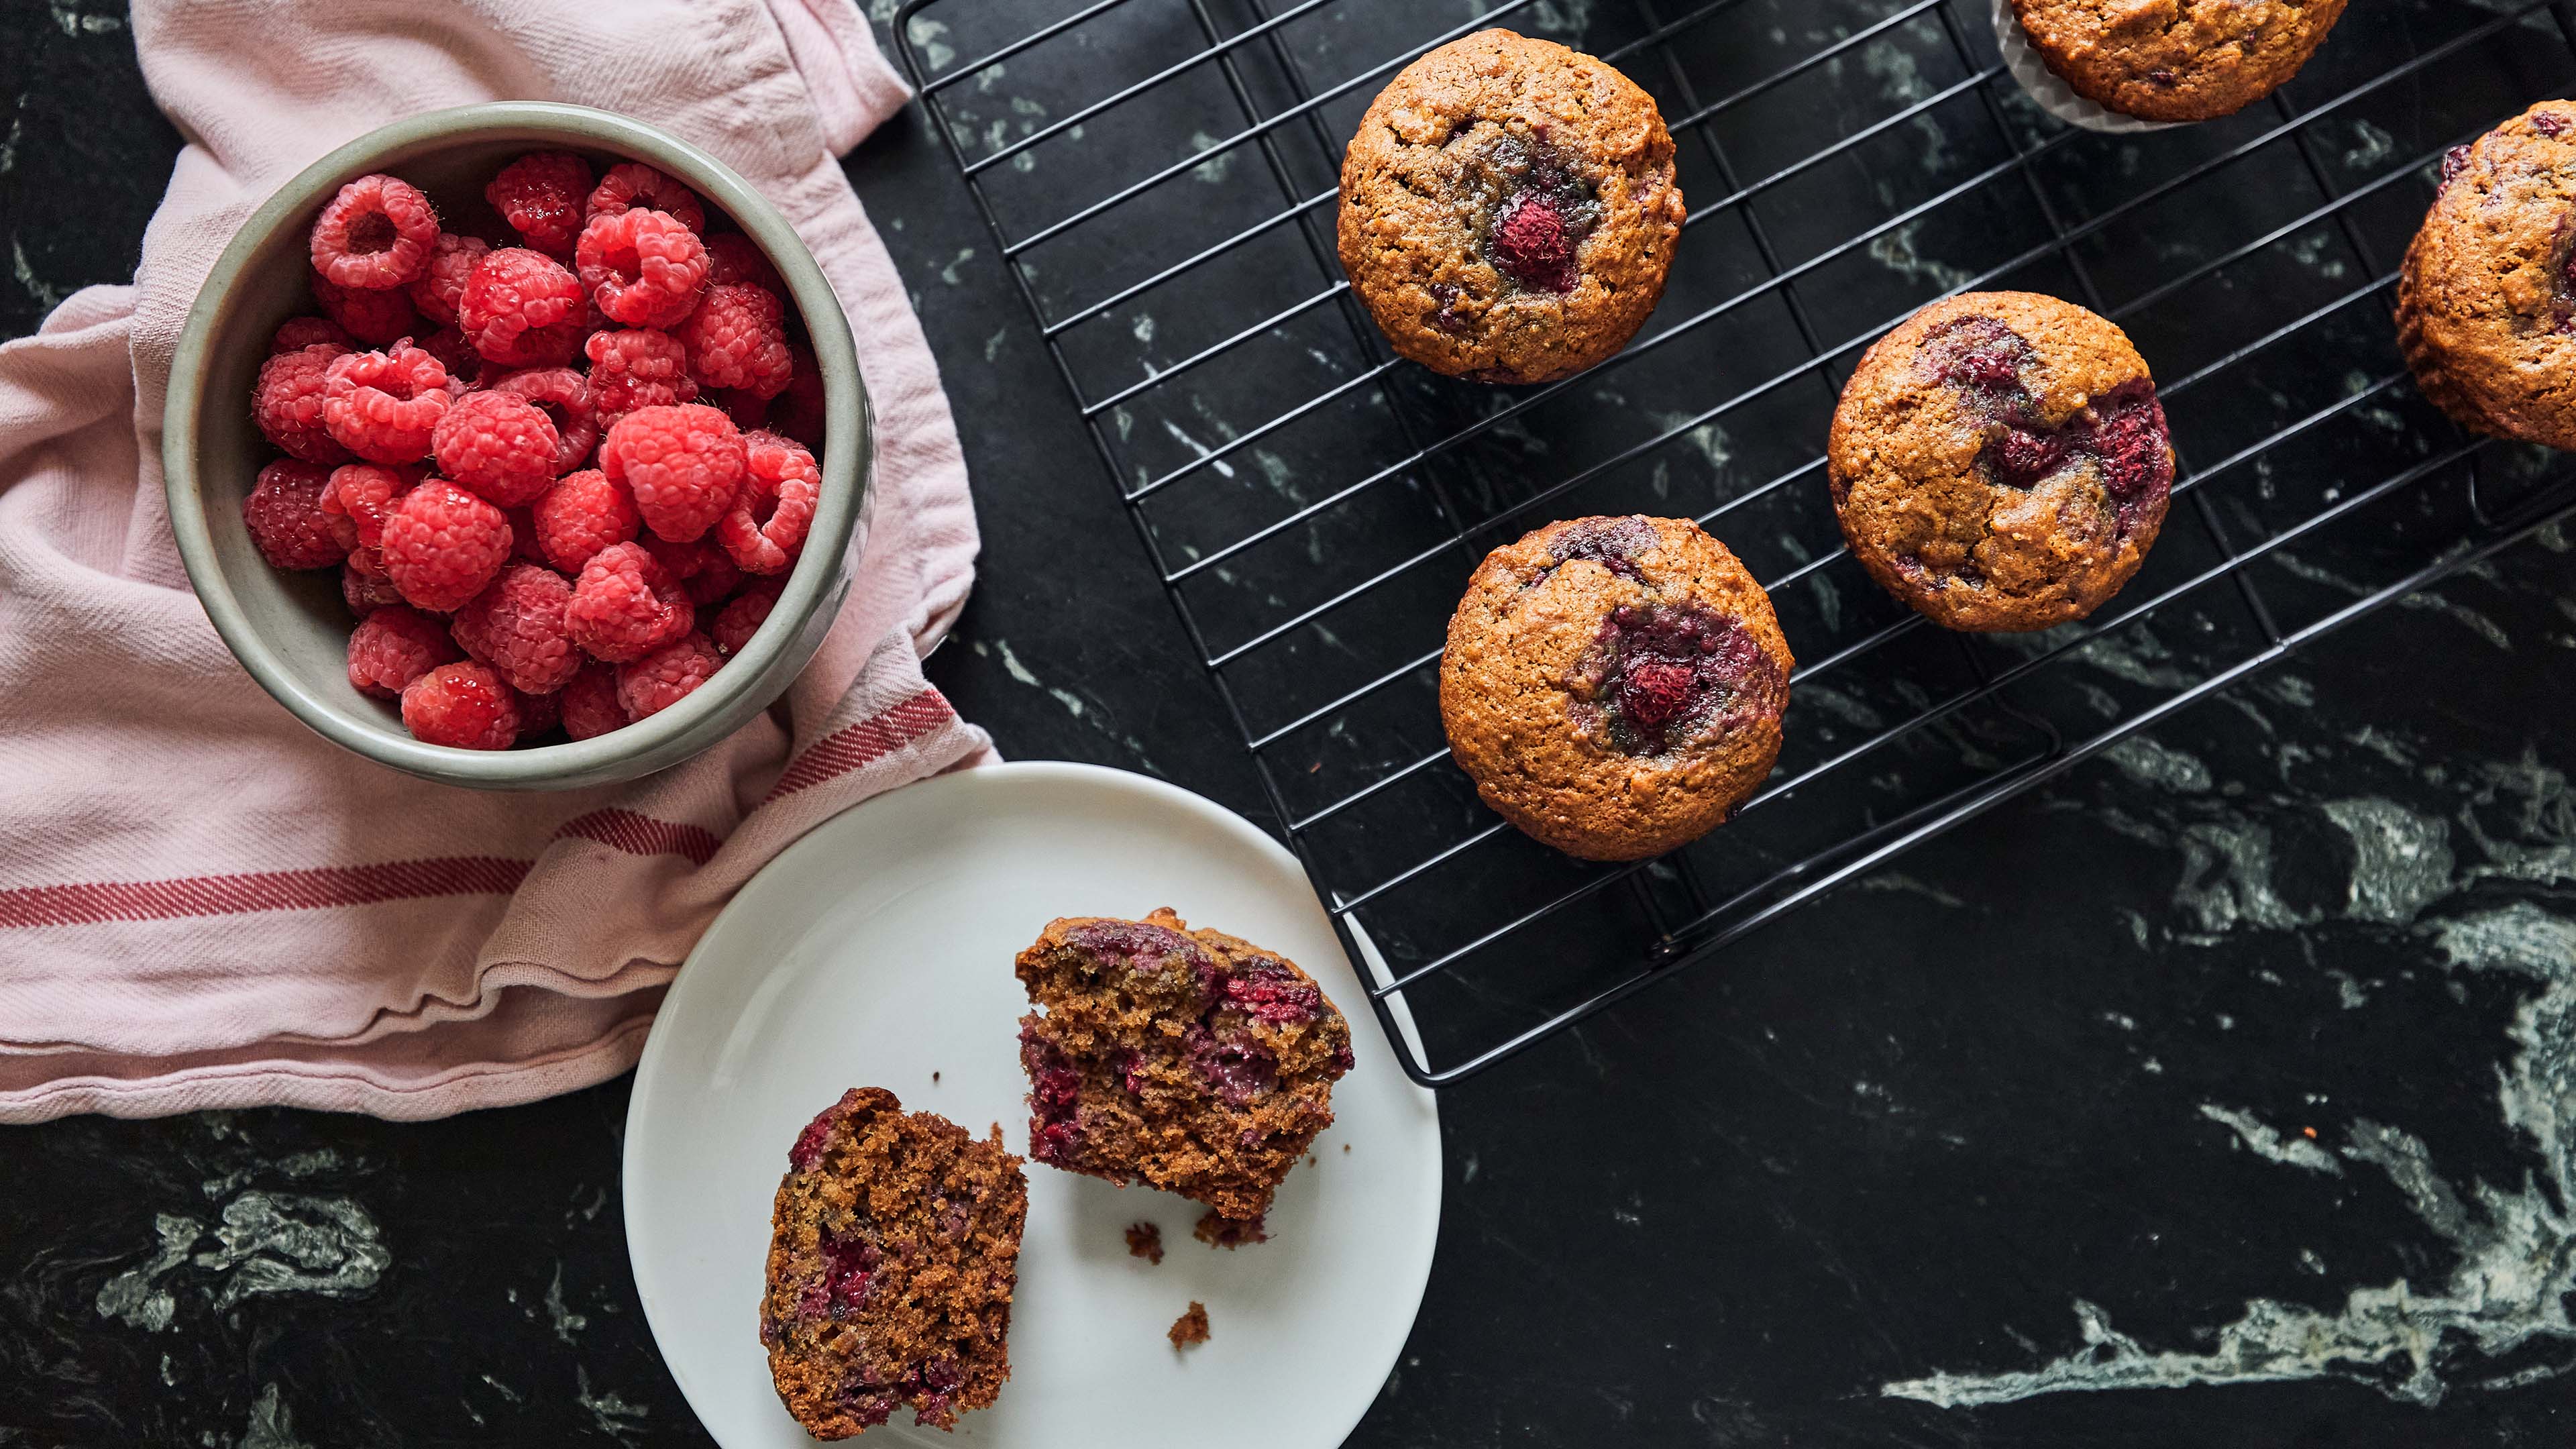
[(718, 577), (643, 267), (375, 234), (358, 499), (538, 713), (393, 646), (454, 353), (749, 410), (742, 616), (287, 403), (563, 395), (798, 412), (540, 195), (666, 676), (637, 369), (734, 257), (367, 591), (452, 259), (464, 705), (522, 309), (284, 516), (517, 626), (443, 544), (383, 405), (681, 463), (625, 605), (297, 333), (590, 707), (631, 184), (374, 317), (765, 528), (497, 444), (738, 338), (582, 514)]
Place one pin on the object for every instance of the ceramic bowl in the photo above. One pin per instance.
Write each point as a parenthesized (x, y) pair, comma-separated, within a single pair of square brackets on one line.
[(291, 630)]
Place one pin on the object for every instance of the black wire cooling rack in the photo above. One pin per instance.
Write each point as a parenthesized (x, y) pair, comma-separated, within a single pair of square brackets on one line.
[(1160, 175)]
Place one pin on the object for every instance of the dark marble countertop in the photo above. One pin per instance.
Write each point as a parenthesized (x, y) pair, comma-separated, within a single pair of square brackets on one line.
[(2222, 1091)]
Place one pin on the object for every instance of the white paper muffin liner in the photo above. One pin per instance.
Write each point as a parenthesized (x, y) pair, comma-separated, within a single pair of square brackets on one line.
[(2053, 94)]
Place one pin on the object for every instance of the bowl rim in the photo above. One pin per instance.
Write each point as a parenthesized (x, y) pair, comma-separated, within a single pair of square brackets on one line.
[(848, 475)]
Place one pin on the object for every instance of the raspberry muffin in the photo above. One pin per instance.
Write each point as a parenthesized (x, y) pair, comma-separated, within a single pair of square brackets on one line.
[(1614, 685), (2486, 301), (2176, 60), (2000, 461), (894, 1245), (1187, 1060), (1509, 209)]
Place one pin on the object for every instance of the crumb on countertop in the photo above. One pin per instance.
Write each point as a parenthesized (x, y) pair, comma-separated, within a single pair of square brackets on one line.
[(1190, 1327), (934, 1076), (1145, 1240)]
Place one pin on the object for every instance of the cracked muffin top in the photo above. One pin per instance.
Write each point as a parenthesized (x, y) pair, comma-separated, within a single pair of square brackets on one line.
[(2176, 60), (1509, 209), (1614, 685), (2000, 461), (2486, 301)]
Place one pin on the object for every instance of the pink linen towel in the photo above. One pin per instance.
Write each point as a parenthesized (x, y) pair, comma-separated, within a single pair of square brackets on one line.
[(202, 904)]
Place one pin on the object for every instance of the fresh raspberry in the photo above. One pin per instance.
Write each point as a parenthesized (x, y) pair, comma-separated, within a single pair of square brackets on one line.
[(582, 514), (538, 713), (522, 309), (765, 528), (523, 537), (798, 412), (681, 463), (464, 364), (734, 257), (376, 233), (563, 395), (287, 403), (637, 369), (382, 406), (743, 615), (540, 195), (374, 317), (452, 259), (367, 591), (395, 645), (630, 184), (738, 338), (682, 561), (284, 516), (497, 444), (718, 578), (626, 606), (590, 707), (358, 499), (443, 544), (297, 333), (464, 705), (644, 268), (666, 676), (516, 625)]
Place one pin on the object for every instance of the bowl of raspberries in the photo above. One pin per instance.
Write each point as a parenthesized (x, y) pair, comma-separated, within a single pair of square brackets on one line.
[(519, 446)]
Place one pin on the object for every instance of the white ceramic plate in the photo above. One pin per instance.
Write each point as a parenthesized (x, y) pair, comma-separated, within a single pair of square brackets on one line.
[(876, 951)]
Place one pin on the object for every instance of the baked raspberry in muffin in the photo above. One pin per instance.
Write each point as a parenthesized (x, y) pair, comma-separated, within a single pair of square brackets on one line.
[(1187, 1060), (1509, 209), (893, 1252), (2486, 301), (1614, 685), (2000, 461)]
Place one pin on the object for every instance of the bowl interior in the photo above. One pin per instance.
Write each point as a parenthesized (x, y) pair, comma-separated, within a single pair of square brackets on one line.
[(291, 629)]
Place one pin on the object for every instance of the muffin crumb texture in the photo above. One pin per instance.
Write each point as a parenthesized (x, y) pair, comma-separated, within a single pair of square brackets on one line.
[(894, 1249), (1509, 209), (1190, 1327), (2176, 60), (1191, 1061)]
